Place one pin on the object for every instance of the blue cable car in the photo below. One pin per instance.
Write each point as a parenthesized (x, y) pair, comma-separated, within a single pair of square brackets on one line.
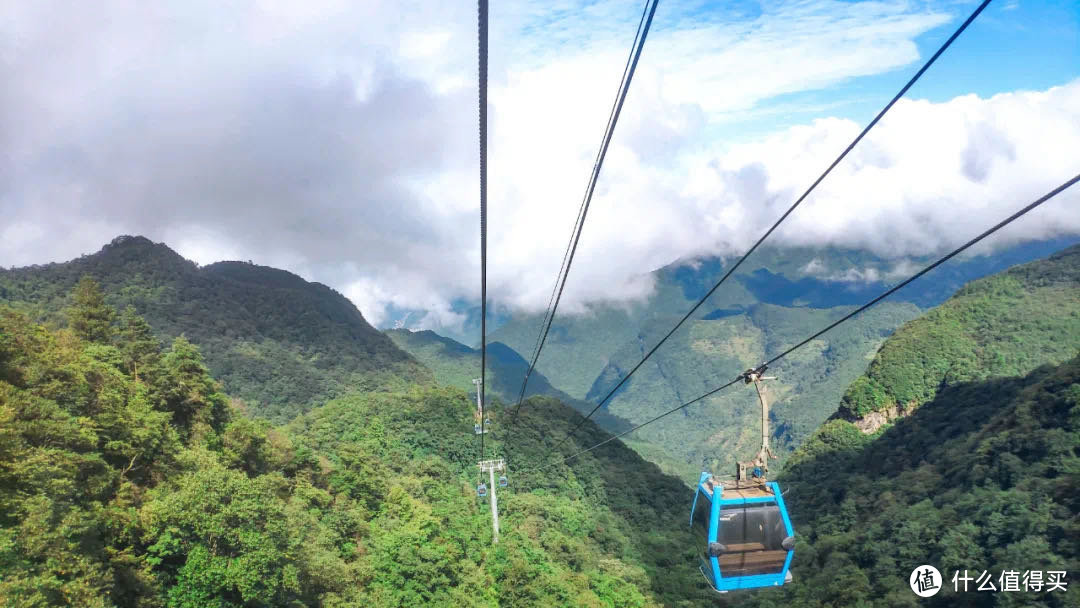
[(750, 542), (748, 535), (503, 482), (481, 490)]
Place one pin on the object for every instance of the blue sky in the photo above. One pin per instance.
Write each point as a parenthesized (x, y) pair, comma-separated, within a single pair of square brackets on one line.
[(1013, 45)]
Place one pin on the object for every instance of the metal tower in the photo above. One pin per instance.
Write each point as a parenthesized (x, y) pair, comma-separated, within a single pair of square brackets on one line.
[(482, 423), (490, 466)]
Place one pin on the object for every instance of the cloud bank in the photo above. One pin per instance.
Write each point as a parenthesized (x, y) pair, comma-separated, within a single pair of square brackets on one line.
[(338, 140)]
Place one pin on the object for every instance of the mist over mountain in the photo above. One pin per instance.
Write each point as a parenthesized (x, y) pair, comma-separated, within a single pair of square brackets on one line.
[(774, 300)]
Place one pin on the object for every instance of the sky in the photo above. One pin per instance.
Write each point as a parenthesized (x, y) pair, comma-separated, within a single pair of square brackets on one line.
[(338, 139)]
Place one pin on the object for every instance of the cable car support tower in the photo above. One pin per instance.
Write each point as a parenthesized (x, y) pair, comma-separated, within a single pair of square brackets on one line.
[(482, 422), (489, 467)]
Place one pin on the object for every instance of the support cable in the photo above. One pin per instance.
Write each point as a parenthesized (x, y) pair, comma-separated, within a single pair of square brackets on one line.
[(609, 131), (783, 217), (581, 207), (846, 317), (482, 27)]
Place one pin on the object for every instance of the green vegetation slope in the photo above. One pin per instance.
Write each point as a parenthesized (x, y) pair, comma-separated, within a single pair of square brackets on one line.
[(712, 433), (127, 480), (979, 469), (1004, 325), (983, 477), (455, 364)]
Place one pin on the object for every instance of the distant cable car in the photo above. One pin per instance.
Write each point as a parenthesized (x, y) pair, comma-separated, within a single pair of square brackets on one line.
[(487, 421), (503, 482), (748, 535), (481, 490)]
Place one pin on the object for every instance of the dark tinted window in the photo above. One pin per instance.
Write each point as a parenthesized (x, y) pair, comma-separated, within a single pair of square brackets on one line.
[(751, 528)]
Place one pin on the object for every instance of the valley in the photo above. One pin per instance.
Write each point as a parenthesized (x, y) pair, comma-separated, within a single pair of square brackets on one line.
[(130, 476)]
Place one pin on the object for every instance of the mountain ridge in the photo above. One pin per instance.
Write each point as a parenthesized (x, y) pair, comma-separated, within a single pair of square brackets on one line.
[(1003, 325), (455, 364), (277, 341)]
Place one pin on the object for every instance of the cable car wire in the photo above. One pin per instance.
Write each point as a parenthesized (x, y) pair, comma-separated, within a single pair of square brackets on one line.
[(1046, 197), (482, 47), (581, 207), (942, 260), (534, 355), (624, 87), (783, 217)]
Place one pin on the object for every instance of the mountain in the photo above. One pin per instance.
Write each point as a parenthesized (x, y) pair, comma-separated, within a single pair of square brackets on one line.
[(580, 347), (124, 489), (959, 448), (278, 342), (455, 364), (706, 354), (128, 479), (1004, 325), (773, 301)]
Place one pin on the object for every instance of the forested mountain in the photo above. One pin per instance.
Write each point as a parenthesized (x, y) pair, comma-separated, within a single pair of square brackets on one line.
[(579, 348), (126, 479), (983, 477), (455, 364), (277, 341), (959, 447), (1004, 325), (777, 298)]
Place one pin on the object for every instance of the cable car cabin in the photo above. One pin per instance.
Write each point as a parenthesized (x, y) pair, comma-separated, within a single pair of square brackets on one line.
[(749, 539)]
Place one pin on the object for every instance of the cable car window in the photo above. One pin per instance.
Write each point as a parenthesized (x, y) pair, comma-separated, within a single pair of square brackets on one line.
[(752, 536), (758, 527)]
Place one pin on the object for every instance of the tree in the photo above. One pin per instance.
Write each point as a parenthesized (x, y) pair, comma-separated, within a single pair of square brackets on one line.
[(90, 317), (141, 349), (189, 392)]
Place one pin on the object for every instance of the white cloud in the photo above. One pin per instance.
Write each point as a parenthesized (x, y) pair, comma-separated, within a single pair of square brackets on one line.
[(338, 140)]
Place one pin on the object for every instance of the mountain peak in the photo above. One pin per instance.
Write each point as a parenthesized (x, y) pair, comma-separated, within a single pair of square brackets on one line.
[(128, 240), (135, 248)]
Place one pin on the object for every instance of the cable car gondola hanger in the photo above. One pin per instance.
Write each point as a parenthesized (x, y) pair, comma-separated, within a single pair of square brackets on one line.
[(749, 539)]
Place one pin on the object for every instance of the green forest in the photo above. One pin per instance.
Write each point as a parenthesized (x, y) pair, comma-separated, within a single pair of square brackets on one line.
[(129, 479), (130, 475), (984, 477), (1003, 325), (457, 365), (978, 470)]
